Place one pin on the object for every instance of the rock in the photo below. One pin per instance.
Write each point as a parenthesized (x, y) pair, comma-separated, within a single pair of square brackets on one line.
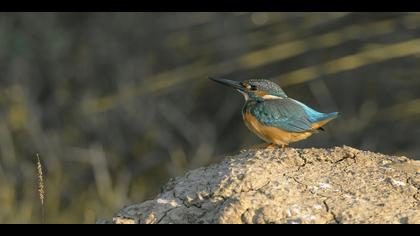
[(337, 185)]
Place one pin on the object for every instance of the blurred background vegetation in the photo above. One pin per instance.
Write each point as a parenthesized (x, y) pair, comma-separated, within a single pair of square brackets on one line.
[(117, 103)]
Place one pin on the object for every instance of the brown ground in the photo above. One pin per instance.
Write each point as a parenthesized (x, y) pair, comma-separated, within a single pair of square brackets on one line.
[(337, 185)]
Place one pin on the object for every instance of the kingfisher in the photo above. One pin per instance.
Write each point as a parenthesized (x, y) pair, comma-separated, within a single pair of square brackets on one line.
[(274, 117)]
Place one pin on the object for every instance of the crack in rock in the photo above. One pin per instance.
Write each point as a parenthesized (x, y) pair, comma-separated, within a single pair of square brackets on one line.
[(327, 208)]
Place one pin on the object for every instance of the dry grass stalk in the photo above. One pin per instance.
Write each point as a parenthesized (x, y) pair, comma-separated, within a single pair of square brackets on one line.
[(41, 187)]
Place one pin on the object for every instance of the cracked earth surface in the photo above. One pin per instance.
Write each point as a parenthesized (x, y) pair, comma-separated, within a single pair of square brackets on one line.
[(337, 185)]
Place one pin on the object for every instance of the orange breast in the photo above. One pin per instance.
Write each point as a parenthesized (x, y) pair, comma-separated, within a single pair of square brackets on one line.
[(273, 134)]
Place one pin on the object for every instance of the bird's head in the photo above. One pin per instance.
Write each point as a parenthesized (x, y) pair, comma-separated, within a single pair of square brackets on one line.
[(254, 89)]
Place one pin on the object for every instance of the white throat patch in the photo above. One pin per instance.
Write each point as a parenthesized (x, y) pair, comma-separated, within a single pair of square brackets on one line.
[(245, 95)]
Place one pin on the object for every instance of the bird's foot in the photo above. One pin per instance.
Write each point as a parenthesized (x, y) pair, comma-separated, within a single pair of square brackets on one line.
[(271, 146), (283, 147)]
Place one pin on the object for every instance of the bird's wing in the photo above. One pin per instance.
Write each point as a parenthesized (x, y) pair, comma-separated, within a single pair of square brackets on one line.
[(282, 113)]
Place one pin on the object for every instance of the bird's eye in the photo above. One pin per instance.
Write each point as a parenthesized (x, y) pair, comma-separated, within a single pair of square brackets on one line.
[(245, 85), (249, 86)]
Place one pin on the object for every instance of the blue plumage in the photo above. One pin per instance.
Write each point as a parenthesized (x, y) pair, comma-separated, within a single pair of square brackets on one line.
[(280, 113), (286, 114), (314, 116), (274, 117)]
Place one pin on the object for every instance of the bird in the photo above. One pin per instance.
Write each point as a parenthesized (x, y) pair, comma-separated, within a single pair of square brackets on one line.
[(273, 116)]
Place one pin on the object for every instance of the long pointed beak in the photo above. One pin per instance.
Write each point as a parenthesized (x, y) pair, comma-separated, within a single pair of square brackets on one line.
[(230, 83)]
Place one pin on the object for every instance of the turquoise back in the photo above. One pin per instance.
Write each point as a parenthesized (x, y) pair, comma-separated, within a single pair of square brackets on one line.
[(286, 114)]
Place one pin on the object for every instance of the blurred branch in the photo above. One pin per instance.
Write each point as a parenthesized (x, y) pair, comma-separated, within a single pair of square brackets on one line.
[(296, 47), (100, 170), (400, 111), (152, 84), (351, 62), (167, 79), (7, 146)]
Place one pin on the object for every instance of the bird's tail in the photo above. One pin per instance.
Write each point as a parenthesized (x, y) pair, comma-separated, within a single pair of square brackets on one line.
[(332, 115), (324, 120)]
